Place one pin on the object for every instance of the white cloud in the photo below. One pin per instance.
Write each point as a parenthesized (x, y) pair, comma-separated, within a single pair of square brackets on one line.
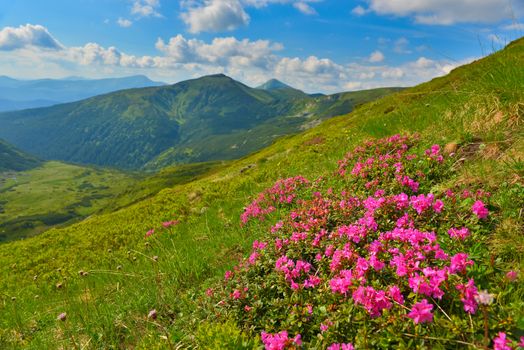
[(497, 39), (146, 8), (305, 8), (446, 12), (359, 11), (221, 51), (12, 38), (227, 15), (249, 61), (352, 85), (215, 16), (376, 56), (514, 26), (125, 23), (401, 46)]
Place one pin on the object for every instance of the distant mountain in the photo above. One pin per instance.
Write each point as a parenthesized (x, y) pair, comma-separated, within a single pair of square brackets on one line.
[(210, 118), (281, 89), (274, 84), (20, 94), (12, 159)]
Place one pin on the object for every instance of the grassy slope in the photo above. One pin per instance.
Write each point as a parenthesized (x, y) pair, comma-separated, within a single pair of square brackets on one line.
[(479, 106), (304, 114), (12, 159), (54, 193)]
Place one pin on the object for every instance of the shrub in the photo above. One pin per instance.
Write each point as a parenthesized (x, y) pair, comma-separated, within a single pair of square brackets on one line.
[(372, 256)]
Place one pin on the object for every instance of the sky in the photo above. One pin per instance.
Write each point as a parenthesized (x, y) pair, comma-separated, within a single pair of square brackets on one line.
[(315, 45)]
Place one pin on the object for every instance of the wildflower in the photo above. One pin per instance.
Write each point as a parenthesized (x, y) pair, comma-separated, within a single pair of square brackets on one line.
[(152, 314), (421, 312), (150, 232), (511, 275), (236, 294), (247, 308), (461, 233), (395, 294), (337, 346), (168, 224), (209, 292), (501, 343), (438, 206), (62, 317), (279, 341), (480, 210), (484, 297), (228, 275), (469, 294), (459, 263)]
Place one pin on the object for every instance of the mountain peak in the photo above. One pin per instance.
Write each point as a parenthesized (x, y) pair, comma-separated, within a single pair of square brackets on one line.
[(273, 84)]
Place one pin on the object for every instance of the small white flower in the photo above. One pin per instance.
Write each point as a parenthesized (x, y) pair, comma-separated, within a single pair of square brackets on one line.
[(484, 297)]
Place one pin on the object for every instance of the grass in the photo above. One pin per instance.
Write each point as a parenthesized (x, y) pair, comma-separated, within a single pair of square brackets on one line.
[(54, 193), (476, 106)]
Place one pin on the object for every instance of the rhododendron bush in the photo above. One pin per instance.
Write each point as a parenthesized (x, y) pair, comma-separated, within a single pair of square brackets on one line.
[(379, 254)]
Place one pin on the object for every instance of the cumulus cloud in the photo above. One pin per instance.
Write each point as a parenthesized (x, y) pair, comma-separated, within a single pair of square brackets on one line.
[(124, 23), (446, 12), (28, 35), (305, 8), (376, 56), (221, 51), (249, 61), (227, 15), (146, 8), (215, 16)]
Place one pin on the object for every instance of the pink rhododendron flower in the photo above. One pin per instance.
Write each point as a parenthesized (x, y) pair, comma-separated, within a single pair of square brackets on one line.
[(511, 275), (228, 275), (461, 233), (459, 263), (279, 341), (395, 294), (337, 346), (469, 295), (236, 294), (480, 210), (168, 224), (501, 342), (421, 312)]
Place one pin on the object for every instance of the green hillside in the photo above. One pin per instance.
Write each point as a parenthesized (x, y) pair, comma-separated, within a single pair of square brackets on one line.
[(131, 128), (12, 159), (108, 278), (55, 193)]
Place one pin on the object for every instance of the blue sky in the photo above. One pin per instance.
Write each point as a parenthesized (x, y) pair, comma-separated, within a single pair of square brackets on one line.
[(315, 45)]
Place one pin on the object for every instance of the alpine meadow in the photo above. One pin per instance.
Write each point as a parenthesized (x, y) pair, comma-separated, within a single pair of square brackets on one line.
[(262, 198)]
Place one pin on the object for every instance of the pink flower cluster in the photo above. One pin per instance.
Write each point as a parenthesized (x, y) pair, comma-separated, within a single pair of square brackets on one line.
[(282, 192), (368, 237), (279, 341), (294, 270)]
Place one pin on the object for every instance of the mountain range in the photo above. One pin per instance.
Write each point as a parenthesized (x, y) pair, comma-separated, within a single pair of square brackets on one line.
[(209, 118), (21, 94)]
